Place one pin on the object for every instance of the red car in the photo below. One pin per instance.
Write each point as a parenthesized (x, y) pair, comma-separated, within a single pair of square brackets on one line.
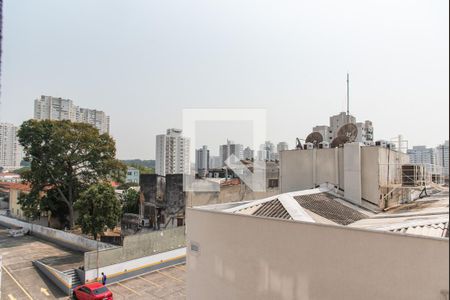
[(92, 291)]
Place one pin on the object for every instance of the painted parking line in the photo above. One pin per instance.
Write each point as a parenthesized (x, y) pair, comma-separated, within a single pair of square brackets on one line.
[(180, 267), (128, 288), (151, 282), (170, 276), (18, 284)]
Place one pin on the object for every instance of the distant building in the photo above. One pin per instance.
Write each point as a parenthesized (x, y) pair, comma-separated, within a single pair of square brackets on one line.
[(422, 155), (442, 157), (215, 162), (132, 175), (249, 153), (225, 151), (282, 146), (365, 129), (10, 177), (172, 153), (53, 108), (202, 161), (10, 149)]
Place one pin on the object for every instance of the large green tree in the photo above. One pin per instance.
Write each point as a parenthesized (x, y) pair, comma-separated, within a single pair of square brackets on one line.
[(98, 209), (65, 159), (130, 200)]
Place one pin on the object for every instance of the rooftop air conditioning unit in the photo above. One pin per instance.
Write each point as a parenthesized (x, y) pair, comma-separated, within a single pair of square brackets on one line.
[(324, 145), (369, 143), (309, 146), (381, 143), (391, 146)]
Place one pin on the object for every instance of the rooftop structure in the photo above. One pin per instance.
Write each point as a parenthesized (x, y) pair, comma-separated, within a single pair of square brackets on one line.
[(314, 244)]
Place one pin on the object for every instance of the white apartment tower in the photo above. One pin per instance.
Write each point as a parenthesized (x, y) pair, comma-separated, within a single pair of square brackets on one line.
[(10, 149), (422, 155), (172, 153), (52, 108)]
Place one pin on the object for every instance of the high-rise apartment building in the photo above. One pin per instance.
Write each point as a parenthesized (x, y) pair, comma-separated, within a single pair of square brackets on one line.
[(53, 108), (202, 161), (249, 153), (422, 155), (442, 157), (172, 153), (10, 149), (225, 151)]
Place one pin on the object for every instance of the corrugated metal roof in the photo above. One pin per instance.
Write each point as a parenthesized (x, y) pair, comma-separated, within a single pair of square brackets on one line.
[(325, 206), (269, 209), (272, 209)]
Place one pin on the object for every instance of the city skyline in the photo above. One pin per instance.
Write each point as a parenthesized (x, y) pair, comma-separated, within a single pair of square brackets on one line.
[(174, 62)]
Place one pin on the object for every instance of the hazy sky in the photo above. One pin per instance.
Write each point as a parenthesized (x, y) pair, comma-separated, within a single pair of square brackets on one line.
[(143, 61)]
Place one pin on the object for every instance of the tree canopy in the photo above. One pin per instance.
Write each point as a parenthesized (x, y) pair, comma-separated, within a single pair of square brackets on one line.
[(98, 209), (65, 159), (130, 200)]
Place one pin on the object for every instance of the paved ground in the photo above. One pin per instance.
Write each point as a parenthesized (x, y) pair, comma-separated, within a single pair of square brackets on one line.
[(21, 280), (167, 283)]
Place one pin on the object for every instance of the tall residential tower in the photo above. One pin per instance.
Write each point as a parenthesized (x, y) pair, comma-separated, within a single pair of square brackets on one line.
[(172, 153)]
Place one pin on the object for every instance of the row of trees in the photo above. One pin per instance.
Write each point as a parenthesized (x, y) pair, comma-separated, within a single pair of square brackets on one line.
[(71, 167)]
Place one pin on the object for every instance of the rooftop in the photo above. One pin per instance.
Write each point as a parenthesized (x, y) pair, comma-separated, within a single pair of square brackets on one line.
[(425, 217)]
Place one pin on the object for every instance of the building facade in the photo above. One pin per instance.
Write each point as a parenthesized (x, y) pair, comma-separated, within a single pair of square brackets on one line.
[(10, 149), (172, 153), (53, 108), (422, 155), (132, 175), (365, 129), (442, 157), (225, 151), (249, 153), (202, 161)]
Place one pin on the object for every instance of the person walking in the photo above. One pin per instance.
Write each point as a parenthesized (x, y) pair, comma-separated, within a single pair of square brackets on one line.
[(103, 278)]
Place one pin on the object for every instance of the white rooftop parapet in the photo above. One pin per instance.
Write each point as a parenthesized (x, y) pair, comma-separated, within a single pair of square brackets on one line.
[(294, 209)]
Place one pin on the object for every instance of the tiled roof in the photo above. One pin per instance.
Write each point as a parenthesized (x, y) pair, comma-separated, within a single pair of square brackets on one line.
[(325, 206), (15, 186)]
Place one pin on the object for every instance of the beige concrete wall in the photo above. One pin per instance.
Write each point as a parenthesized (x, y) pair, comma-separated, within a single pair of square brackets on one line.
[(137, 246), (296, 170), (326, 166), (15, 208), (228, 194), (370, 174), (242, 257)]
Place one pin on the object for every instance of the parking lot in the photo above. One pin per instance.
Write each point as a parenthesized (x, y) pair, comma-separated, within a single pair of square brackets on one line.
[(21, 280)]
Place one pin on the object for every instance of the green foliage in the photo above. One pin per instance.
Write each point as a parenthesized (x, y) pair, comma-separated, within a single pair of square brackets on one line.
[(98, 209), (139, 162), (130, 200), (127, 185), (143, 169), (65, 158), (22, 170)]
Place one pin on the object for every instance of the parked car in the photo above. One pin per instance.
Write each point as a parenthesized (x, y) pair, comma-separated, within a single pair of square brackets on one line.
[(92, 291)]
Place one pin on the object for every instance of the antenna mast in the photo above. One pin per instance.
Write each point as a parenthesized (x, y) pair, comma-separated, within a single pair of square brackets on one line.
[(348, 94)]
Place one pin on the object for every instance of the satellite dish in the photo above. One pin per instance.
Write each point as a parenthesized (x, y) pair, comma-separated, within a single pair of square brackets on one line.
[(339, 141), (348, 131), (314, 138)]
